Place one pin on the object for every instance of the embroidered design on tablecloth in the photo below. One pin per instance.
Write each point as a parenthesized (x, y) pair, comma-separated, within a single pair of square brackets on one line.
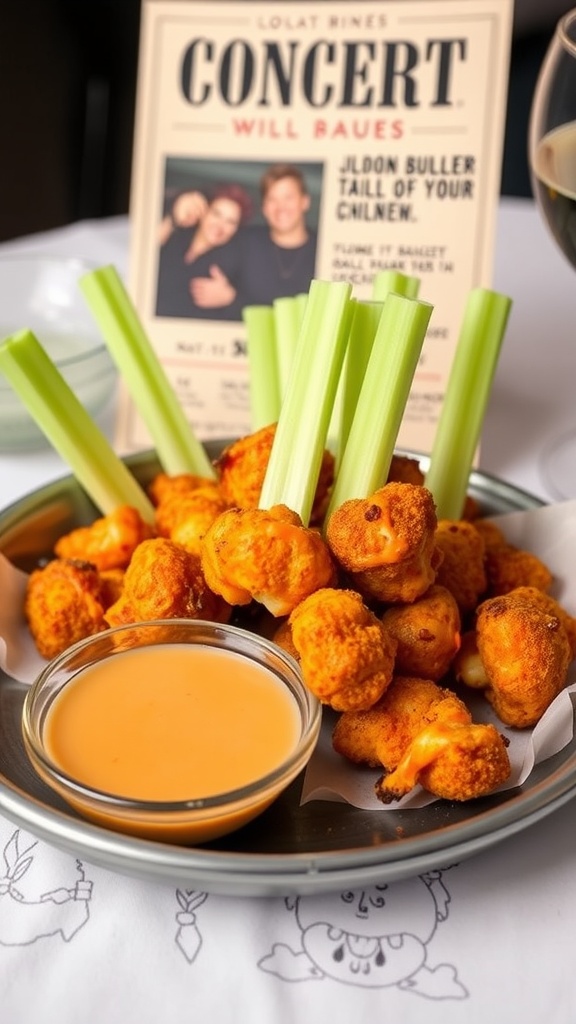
[(376, 937), (188, 937), (28, 913)]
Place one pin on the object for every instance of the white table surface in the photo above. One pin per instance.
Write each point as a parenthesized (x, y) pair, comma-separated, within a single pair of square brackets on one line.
[(80, 944)]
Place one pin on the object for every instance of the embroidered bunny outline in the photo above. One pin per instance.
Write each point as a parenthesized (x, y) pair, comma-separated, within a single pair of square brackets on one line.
[(61, 911)]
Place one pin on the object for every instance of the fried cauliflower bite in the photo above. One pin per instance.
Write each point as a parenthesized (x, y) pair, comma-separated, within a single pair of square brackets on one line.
[(386, 543), (63, 604), (185, 518), (345, 653), (461, 570), (427, 633), (242, 468), (406, 469), (265, 555), (524, 652), (452, 760), (165, 486), (509, 567), (109, 542), (164, 581), (380, 736)]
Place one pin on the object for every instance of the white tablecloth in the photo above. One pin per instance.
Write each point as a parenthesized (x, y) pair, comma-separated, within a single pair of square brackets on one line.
[(490, 938)]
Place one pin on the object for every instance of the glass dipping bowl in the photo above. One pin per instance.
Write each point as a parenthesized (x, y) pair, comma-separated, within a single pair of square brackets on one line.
[(41, 293), (199, 818)]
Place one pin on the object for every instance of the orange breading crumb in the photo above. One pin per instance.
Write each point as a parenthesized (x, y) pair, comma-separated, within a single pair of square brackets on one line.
[(427, 633), (164, 581), (346, 655), (461, 570), (63, 604), (265, 555), (381, 735), (386, 543), (109, 542)]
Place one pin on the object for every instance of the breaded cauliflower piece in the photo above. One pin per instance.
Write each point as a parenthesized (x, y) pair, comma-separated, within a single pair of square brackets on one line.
[(509, 567), (345, 653), (64, 603), (265, 555), (166, 486), (185, 518), (427, 632), (461, 570), (380, 736), (242, 468), (164, 581), (525, 653), (452, 760), (109, 542), (386, 543)]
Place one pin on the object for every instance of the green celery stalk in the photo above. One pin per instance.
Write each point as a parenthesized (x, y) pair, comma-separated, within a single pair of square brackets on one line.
[(385, 388), (263, 365), (469, 384), (68, 426), (288, 312), (365, 320), (178, 450), (387, 281), (296, 456)]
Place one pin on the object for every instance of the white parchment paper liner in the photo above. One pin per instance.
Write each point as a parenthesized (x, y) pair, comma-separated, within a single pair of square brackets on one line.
[(550, 532)]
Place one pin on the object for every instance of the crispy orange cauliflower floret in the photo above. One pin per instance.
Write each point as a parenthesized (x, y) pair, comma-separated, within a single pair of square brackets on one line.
[(109, 542), (64, 603), (185, 518), (345, 653), (265, 555), (242, 467), (427, 632), (452, 760), (380, 736), (461, 570), (524, 651), (509, 567), (166, 486), (164, 581), (386, 543)]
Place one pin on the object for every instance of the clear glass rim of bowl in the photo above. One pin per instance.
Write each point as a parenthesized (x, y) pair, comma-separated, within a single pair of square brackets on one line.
[(567, 31), (99, 348), (225, 803)]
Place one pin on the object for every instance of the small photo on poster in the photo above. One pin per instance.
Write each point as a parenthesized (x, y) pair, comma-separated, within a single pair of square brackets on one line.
[(235, 234)]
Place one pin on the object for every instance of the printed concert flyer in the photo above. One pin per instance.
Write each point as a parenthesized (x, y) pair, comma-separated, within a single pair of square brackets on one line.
[(277, 142)]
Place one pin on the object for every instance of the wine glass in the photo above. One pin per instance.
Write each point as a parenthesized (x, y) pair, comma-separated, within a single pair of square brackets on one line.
[(552, 159)]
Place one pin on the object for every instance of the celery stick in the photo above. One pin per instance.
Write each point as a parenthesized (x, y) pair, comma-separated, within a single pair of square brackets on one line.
[(467, 392), (383, 396), (263, 364), (288, 312), (68, 426), (365, 321), (296, 456), (394, 281), (177, 448)]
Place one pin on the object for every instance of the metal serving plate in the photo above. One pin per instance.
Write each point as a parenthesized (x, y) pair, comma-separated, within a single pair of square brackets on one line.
[(291, 849)]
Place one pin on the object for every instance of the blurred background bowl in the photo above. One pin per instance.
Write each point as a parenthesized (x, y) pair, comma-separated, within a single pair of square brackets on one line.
[(41, 293)]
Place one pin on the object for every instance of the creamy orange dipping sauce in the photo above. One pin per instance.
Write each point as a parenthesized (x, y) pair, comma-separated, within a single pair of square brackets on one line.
[(171, 722)]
